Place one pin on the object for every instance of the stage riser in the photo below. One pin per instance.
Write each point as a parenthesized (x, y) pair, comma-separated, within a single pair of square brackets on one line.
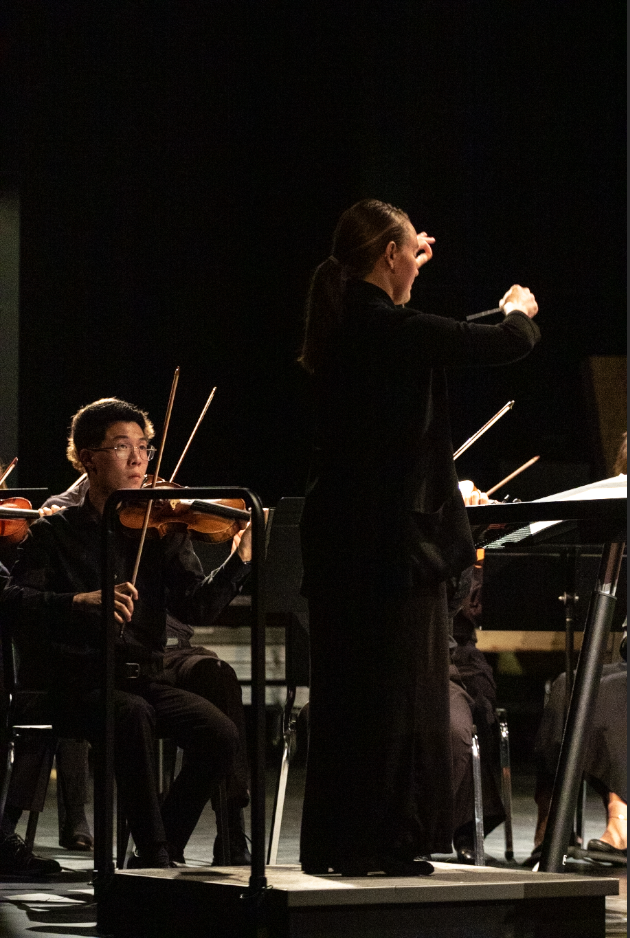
[(141, 908), (556, 918)]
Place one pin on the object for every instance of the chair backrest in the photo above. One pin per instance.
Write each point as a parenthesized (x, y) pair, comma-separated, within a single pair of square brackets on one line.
[(24, 693), (283, 582)]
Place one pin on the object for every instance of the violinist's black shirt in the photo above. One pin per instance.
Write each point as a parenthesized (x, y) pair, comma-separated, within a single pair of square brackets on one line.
[(61, 556)]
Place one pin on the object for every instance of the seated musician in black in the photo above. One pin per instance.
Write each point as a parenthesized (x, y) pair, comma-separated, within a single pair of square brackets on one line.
[(191, 667), (54, 597)]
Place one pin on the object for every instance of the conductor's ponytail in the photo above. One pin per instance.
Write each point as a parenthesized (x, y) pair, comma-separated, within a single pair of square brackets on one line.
[(361, 236), (324, 310)]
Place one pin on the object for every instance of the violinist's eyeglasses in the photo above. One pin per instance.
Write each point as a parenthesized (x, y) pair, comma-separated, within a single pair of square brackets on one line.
[(124, 450)]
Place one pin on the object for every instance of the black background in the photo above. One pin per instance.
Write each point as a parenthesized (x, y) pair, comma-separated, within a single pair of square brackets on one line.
[(181, 167)]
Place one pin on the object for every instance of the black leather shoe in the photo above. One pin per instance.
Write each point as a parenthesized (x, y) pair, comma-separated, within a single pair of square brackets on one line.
[(17, 861), (600, 846), (239, 850), (156, 859), (533, 858), (177, 855), (466, 855), (392, 866), (81, 842)]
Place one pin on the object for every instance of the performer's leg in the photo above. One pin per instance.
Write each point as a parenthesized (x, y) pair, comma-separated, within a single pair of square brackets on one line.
[(134, 765), (209, 740), (72, 787), (616, 833), (216, 681)]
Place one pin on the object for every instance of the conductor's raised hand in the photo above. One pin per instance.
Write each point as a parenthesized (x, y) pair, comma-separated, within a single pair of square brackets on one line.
[(519, 298), (424, 246), (124, 596)]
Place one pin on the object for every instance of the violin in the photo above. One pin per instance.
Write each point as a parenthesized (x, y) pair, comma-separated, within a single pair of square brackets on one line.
[(201, 518), (15, 517)]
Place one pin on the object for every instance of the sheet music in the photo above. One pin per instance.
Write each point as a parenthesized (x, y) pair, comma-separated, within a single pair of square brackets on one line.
[(616, 487)]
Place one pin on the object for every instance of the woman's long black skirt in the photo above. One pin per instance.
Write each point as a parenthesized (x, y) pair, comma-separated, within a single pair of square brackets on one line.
[(379, 768)]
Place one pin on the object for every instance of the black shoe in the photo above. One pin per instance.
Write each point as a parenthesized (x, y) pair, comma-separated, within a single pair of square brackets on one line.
[(389, 864), (466, 855), (533, 858), (239, 850), (393, 866), (600, 846), (17, 860), (177, 855), (155, 859), (81, 842)]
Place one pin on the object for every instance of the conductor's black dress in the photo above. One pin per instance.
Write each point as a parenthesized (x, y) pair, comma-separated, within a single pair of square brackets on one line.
[(384, 526)]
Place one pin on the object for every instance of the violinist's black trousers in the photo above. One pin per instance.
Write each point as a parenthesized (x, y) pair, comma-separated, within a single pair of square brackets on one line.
[(209, 740)]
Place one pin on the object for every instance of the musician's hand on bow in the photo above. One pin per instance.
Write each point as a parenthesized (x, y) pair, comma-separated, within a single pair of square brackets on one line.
[(45, 512), (124, 596), (519, 298), (472, 495), (424, 246), (242, 541)]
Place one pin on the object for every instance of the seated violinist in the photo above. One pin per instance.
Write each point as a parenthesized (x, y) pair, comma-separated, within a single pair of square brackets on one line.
[(191, 667), (54, 599)]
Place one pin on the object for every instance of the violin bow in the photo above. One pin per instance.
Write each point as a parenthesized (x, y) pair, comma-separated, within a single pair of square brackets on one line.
[(192, 435), (512, 475), (490, 423), (156, 472), (7, 472)]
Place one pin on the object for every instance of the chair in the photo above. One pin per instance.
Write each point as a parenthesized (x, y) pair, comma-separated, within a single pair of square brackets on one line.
[(506, 781), (289, 740), (17, 704)]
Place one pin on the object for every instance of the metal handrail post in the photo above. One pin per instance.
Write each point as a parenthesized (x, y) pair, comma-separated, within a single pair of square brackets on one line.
[(104, 753), (258, 880), (581, 710), (104, 764)]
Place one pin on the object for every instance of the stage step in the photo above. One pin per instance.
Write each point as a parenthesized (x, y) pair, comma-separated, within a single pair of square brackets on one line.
[(462, 901)]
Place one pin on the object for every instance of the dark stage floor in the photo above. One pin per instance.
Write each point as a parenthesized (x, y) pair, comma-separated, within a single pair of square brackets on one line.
[(65, 907)]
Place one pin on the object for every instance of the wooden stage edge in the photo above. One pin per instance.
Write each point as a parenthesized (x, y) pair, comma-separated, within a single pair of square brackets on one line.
[(475, 902), (495, 640)]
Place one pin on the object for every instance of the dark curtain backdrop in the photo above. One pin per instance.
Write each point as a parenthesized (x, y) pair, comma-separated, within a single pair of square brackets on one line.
[(181, 167)]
